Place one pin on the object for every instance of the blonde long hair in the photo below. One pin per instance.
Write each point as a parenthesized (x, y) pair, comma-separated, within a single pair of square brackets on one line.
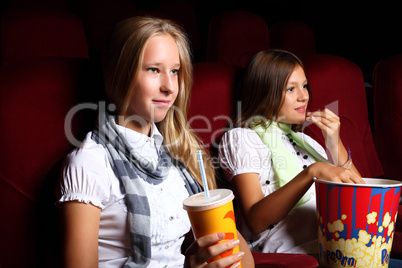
[(122, 63)]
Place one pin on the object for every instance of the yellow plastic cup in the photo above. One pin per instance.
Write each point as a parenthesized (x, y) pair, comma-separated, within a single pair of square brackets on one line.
[(213, 214)]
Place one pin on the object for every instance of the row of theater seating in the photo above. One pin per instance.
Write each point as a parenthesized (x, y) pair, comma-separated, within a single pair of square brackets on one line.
[(232, 36), (43, 79)]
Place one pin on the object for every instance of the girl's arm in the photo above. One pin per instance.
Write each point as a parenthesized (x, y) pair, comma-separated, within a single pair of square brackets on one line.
[(330, 125), (247, 260), (261, 212), (80, 228)]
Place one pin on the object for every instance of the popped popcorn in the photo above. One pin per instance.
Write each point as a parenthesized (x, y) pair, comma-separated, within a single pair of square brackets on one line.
[(356, 223), (366, 251)]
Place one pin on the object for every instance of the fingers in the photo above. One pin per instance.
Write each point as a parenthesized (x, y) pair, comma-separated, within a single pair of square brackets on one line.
[(323, 114), (356, 178), (205, 248), (350, 177), (328, 122), (334, 173)]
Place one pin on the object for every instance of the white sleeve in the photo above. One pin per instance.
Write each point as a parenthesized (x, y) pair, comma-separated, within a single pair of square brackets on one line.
[(85, 176), (242, 151)]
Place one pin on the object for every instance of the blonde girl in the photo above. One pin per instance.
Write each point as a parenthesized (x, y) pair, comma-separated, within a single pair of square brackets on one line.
[(121, 191)]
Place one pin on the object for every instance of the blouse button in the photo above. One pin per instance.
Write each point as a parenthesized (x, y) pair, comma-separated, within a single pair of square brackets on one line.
[(267, 182), (171, 218), (305, 156), (305, 166), (283, 137)]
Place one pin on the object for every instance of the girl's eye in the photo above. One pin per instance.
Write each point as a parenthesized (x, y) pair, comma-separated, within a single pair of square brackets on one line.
[(175, 71), (153, 70), (305, 86), (290, 89)]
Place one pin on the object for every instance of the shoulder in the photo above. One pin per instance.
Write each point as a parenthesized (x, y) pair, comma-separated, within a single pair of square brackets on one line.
[(242, 151), (88, 152), (242, 136), (86, 174)]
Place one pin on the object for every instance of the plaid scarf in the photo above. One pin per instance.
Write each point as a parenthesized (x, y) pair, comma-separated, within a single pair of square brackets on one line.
[(133, 170)]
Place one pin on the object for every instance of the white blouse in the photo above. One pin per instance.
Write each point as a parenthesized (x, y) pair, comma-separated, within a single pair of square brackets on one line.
[(242, 151), (88, 177)]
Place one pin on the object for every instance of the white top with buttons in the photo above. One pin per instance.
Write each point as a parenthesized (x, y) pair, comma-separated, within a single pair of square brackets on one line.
[(242, 151), (88, 177)]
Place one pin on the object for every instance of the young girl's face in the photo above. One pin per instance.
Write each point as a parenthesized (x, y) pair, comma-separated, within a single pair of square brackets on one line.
[(157, 86), (295, 98)]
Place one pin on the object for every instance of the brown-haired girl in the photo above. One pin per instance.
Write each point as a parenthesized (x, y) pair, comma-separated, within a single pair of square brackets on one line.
[(271, 165)]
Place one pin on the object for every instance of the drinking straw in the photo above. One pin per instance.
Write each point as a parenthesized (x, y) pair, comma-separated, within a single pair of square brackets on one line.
[(204, 179)]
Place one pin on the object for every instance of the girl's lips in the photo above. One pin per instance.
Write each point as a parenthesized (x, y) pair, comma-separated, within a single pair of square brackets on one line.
[(301, 110), (162, 102)]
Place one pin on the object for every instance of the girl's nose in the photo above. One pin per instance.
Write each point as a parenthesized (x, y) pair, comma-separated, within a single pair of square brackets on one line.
[(168, 83), (303, 94)]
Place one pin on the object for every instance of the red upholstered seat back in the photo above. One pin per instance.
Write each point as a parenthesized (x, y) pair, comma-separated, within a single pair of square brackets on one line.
[(99, 16), (37, 33), (182, 12), (212, 100), (294, 36), (338, 84), (235, 36), (35, 98), (387, 81)]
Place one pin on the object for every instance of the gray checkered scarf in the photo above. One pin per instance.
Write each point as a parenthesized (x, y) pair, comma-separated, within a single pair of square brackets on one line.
[(133, 170)]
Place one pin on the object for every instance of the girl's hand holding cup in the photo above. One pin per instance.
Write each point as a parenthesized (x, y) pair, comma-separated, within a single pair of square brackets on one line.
[(205, 248)]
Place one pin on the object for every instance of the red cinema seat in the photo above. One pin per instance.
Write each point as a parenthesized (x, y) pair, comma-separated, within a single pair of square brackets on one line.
[(235, 36), (99, 16), (283, 260), (38, 98), (212, 100), (294, 36), (38, 33), (183, 13), (387, 82), (338, 84)]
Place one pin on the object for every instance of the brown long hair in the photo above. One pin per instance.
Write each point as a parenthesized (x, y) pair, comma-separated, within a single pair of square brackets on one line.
[(263, 85), (122, 64)]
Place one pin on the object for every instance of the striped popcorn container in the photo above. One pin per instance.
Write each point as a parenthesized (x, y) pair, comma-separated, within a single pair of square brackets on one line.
[(356, 222)]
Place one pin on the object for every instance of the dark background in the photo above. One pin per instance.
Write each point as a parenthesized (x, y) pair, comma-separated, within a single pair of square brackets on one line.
[(362, 32)]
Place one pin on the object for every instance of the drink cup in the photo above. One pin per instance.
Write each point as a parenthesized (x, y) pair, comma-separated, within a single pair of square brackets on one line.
[(356, 222), (213, 214)]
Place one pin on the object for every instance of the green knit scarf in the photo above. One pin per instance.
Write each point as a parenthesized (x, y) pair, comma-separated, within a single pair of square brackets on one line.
[(285, 164)]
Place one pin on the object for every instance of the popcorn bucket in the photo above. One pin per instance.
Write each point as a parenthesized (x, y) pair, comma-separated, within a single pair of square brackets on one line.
[(356, 222)]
